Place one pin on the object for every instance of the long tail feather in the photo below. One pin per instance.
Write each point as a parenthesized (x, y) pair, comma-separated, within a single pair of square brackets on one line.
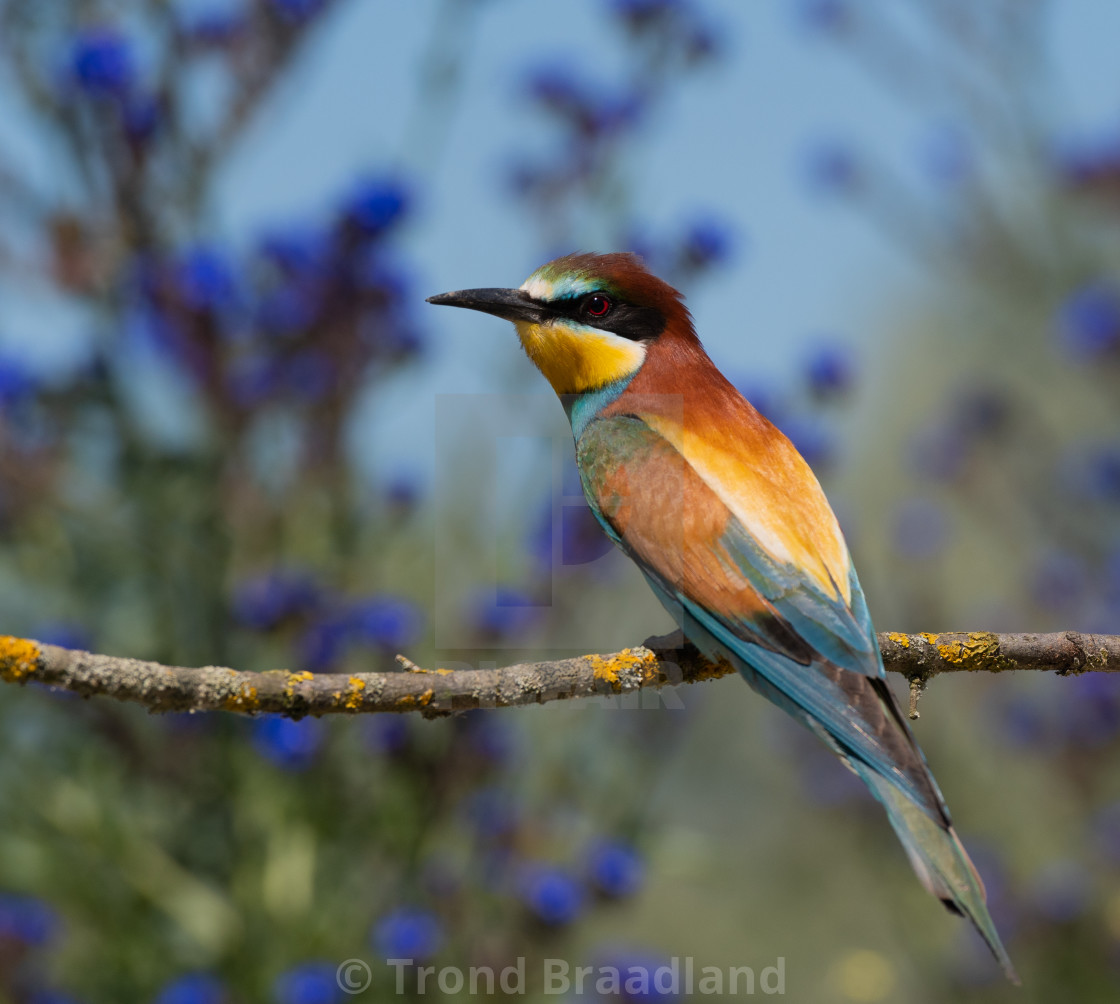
[(940, 862), (878, 746)]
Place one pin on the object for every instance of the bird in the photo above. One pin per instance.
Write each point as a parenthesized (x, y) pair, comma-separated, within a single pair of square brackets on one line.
[(731, 529)]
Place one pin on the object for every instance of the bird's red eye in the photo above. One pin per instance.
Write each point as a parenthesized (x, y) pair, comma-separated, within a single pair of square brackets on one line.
[(598, 305)]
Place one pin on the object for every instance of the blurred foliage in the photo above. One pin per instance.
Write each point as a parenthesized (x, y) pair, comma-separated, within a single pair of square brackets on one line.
[(993, 439), (186, 488)]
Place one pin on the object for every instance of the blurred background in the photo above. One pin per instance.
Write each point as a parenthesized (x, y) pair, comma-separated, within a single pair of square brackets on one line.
[(231, 432)]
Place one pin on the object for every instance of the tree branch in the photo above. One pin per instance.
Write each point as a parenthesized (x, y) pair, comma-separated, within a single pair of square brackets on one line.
[(660, 662)]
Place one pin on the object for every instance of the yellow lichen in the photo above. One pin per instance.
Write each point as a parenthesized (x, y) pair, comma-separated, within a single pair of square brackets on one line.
[(354, 694), (608, 669), (294, 679), (416, 700), (930, 639), (19, 658), (900, 639), (244, 699), (978, 650)]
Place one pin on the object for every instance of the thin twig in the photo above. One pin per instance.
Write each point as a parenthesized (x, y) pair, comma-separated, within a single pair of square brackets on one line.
[(658, 663)]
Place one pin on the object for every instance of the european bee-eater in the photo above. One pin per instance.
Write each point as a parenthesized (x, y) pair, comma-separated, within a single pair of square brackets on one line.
[(731, 530)]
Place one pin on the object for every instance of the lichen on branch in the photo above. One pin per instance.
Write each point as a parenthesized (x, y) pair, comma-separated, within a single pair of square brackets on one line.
[(660, 662)]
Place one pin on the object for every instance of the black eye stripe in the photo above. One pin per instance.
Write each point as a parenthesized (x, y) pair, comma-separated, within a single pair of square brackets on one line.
[(627, 320)]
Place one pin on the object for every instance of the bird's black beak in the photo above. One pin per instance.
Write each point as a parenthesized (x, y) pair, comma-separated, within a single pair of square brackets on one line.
[(512, 304)]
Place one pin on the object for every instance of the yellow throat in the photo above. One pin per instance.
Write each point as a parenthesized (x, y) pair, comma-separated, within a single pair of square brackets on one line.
[(575, 359)]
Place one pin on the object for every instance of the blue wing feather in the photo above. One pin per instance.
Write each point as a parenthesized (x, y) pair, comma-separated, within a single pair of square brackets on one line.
[(816, 696), (840, 633)]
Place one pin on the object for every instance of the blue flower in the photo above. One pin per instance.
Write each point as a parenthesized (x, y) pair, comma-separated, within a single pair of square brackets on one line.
[(388, 621), (403, 340), (493, 812), (310, 983), (613, 115), (407, 933), (64, 634), (387, 734), (637, 975), (195, 988), (552, 895), (981, 412), (141, 116), (556, 87), (375, 204), (1102, 474), (287, 743), (672, 22), (16, 381), (324, 641), (488, 734), (829, 370), (646, 10), (1089, 321), (149, 326), (833, 16), (706, 243), (525, 180), (297, 10), (310, 375), (1022, 723), (940, 451), (1059, 580), (101, 61), (616, 869), (503, 612), (1089, 164), (702, 42), (1105, 829), (1090, 710), (1111, 579), (288, 308), (382, 275), (253, 378), (302, 251), (215, 28), (921, 529), (592, 111), (25, 919), (402, 493), (265, 601), (204, 279), (833, 169)]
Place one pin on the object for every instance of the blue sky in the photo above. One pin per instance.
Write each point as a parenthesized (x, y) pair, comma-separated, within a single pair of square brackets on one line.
[(732, 142)]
